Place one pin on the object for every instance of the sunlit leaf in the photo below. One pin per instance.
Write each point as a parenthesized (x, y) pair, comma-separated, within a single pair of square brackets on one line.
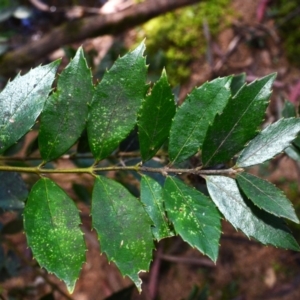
[(266, 196), (116, 102), (22, 101), (271, 141), (194, 216), (51, 223), (244, 215), (195, 115), (151, 196), (64, 116), (155, 117), (238, 123), (123, 227)]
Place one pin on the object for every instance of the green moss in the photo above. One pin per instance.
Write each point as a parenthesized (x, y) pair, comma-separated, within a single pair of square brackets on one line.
[(179, 35), (288, 23)]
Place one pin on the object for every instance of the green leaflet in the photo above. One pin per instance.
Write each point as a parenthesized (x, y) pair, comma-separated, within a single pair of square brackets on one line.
[(116, 102), (238, 123), (266, 196), (194, 216), (65, 113), (123, 227), (13, 191), (151, 196), (22, 101), (194, 116), (242, 214), (155, 117), (51, 223), (238, 81), (271, 141)]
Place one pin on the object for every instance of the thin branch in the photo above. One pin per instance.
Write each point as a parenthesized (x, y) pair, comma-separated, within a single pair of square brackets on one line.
[(87, 27), (137, 168)]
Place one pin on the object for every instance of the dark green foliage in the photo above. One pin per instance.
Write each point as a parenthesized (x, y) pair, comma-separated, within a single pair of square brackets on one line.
[(194, 216), (155, 118), (116, 102), (123, 227), (217, 121), (195, 115), (238, 123), (66, 110), (51, 223)]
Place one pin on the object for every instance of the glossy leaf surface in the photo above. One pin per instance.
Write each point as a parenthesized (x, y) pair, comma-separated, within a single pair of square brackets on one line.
[(266, 196), (155, 118), (238, 123), (51, 223), (123, 227), (271, 141), (13, 191), (244, 215), (22, 101), (64, 116), (194, 216), (151, 196), (194, 116), (116, 101)]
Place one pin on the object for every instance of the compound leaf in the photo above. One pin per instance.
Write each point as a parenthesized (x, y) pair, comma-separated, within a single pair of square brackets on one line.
[(13, 191), (266, 196), (116, 102), (51, 223), (269, 142), (194, 216), (65, 113), (244, 215), (123, 227), (195, 115), (238, 123), (22, 101), (155, 117), (151, 196)]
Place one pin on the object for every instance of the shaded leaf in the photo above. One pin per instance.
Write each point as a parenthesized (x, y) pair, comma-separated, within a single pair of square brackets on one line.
[(243, 215), (64, 116), (293, 152), (271, 141), (51, 223), (151, 196), (266, 196), (155, 117), (13, 191), (238, 81), (194, 216), (123, 227), (115, 103), (22, 101), (194, 116), (289, 110), (238, 123)]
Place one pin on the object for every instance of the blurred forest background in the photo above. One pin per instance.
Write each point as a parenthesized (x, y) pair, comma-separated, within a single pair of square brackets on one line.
[(195, 41)]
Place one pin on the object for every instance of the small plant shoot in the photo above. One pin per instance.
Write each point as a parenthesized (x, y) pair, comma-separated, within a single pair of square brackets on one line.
[(219, 122)]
